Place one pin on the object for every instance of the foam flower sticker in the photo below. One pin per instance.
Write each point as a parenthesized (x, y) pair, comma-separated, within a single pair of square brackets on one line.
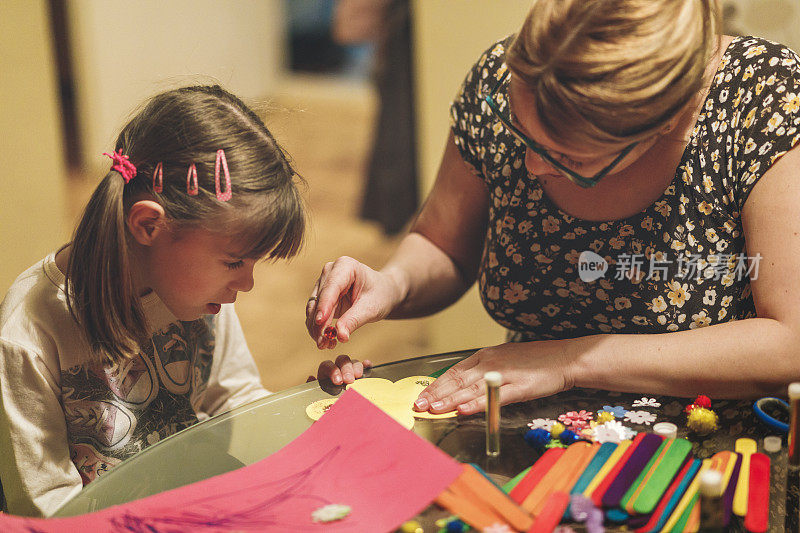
[(646, 402), (640, 417), (618, 411), (541, 423), (330, 513), (576, 420), (610, 432)]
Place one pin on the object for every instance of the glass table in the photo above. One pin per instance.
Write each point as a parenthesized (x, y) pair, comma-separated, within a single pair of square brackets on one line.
[(254, 431)]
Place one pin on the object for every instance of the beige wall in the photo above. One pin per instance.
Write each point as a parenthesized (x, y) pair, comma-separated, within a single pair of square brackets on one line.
[(126, 51), (32, 177), (449, 36)]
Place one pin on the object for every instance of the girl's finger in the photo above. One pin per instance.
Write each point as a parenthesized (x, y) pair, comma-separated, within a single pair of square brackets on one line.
[(346, 366)]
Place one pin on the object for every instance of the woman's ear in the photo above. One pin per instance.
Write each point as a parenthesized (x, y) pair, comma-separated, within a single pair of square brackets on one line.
[(146, 220)]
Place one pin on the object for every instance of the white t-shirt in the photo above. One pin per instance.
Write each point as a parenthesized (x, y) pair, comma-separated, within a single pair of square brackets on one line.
[(64, 422)]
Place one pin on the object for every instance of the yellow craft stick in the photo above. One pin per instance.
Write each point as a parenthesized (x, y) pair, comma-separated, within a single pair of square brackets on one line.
[(564, 467), (687, 497), (746, 447), (618, 452)]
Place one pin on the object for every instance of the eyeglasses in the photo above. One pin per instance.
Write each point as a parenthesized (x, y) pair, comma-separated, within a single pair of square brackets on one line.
[(583, 181)]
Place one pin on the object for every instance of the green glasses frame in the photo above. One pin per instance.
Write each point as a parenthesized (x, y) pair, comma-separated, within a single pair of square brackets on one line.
[(583, 181)]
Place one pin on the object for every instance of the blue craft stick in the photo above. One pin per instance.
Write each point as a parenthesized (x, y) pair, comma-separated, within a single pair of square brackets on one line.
[(676, 497), (600, 457), (617, 516)]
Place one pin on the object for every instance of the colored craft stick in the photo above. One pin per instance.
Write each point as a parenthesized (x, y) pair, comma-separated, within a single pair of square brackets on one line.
[(599, 492), (690, 521), (554, 508), (636, 462), (746, 447), (560, 477), (671, 497), (594, 466), (513, 482), (535, 474), (613, 459), (496, 499), (475, 515), (687, 500), (482, 472), (727, 498), (757, 518), (656, 481)]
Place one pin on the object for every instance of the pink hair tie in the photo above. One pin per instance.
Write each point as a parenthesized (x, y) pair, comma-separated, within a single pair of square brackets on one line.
[(222, 196), (122, 165)]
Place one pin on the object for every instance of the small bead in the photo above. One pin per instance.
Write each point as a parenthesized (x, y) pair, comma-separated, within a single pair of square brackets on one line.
[(331, 333)]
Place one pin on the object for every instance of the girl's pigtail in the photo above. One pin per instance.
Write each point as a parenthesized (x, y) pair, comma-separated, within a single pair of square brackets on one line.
[(99, 286)]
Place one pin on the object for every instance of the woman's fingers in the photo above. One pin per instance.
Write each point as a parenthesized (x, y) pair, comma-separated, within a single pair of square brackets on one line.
[(458, 378)]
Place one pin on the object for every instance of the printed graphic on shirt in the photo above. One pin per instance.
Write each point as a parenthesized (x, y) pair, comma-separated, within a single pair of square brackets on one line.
[(114, 412)]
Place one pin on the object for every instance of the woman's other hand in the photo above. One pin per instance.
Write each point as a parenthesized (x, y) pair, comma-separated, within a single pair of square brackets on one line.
[(529, 369)]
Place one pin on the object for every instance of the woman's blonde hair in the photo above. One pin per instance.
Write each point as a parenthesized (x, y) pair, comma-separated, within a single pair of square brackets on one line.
[(265, 215), (612, 71)]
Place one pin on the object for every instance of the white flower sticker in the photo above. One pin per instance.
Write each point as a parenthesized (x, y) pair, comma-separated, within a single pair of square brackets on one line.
[(646, 402), (640, 417), (541, 423)]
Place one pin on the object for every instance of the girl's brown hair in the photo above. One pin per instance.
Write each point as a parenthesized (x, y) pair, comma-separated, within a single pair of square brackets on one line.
[(177, 128), (613, 71)]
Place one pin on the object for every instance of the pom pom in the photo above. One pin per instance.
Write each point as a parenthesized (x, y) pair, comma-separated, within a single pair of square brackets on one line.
[(604, 416), (568, 437), (702, 421), (537, 438), (688, 408), (455, 526), (703, 401), (556, 429)]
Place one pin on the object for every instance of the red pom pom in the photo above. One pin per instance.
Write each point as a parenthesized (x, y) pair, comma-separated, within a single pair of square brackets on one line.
[(688, 408), (703, 401), (331, 333)]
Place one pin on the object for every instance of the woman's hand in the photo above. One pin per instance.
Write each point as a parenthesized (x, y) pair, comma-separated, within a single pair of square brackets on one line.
[(353, 293), (530, 370), (342, 372)]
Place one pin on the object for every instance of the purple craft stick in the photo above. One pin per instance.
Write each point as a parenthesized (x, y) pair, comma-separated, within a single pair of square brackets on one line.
[(727, 497), (631, 470)]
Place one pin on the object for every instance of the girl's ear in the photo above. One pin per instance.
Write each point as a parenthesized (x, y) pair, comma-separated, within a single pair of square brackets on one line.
[(146, 220)]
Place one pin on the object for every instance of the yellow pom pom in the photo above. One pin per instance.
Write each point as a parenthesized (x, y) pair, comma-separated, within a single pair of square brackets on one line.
[(604, 416), (702, 421), (557, 429)]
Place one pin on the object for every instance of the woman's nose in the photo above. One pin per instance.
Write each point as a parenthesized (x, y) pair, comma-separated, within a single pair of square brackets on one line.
[(536, 164)]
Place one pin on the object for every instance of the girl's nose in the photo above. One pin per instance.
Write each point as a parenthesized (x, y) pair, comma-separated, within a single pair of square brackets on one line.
[(244, 282)]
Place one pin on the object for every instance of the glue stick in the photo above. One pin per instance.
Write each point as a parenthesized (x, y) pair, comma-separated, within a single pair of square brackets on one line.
[(711, 509), (792, 520), (493, 381)]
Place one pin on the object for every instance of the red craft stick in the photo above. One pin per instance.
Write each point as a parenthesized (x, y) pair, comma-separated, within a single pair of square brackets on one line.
[(757, 518), (597, 495), (535, 474), (552, 514)]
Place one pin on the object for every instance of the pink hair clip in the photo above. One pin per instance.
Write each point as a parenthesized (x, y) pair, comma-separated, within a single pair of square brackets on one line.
[(158, 186), (222, 196), (191, 181), (122, 165)]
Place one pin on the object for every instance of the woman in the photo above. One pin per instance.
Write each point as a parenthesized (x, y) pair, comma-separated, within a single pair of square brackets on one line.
[(624, 133)]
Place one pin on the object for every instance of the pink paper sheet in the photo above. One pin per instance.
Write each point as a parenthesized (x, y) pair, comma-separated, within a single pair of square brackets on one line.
[(355, 455)]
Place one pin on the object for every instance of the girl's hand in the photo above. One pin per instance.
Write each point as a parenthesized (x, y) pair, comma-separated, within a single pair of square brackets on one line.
[(343, 372), (353, 293), (530, 370)]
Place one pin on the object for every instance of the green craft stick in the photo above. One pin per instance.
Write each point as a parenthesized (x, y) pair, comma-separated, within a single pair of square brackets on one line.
[(662, 476), (638, 485), (510, 484)]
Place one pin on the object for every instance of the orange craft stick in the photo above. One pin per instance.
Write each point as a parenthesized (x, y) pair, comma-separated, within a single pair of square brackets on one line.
[(477, 517), (535, 474), (597, 495), (483, 489), (569, 479), (565, 467), (554, 508)]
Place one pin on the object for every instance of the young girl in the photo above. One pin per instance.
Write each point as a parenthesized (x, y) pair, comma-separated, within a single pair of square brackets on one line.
[(128, 334)]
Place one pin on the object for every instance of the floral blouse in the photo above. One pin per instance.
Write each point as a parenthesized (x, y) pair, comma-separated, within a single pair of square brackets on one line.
[(679, 264)]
